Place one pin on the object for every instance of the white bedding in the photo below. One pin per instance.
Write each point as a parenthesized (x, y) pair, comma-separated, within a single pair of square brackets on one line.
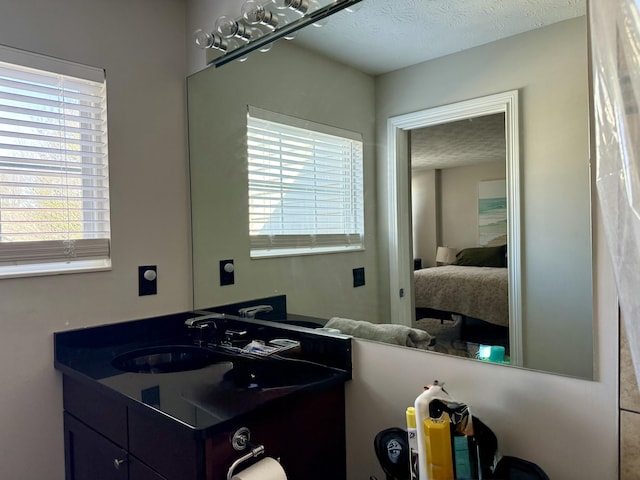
[(478, 292)]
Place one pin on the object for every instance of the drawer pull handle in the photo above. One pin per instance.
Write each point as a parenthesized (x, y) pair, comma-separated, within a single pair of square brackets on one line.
[(117, 462)]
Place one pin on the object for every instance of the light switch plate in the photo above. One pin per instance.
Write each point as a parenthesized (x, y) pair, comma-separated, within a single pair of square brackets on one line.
[(227, 277), (358, 277), (145, 286)]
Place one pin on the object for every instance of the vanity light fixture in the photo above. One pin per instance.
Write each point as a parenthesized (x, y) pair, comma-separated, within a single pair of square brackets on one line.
[(264, 22)]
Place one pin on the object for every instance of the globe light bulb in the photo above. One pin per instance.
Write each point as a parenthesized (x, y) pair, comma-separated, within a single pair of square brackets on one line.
[(300, 6), (226, 26), (255, 14), (202, 38)]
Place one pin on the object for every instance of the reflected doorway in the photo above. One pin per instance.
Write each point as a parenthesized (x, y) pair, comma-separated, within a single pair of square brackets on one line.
[(401, 256), (458, 202)]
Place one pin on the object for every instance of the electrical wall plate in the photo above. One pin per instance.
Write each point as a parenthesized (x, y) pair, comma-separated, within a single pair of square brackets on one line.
[(227, 269), (358, 277), (147, 280)]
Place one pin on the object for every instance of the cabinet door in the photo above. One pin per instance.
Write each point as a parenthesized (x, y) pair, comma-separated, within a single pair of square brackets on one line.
[(164, 448), (90, 456), (92, 407), (306, 432)]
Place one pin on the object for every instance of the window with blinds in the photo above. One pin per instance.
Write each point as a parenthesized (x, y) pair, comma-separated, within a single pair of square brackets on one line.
[(305, 186), (54, 183)]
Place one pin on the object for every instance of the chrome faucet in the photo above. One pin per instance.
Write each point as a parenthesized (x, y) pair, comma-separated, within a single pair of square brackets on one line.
[(205, 320), (250, 312), (202, 325)]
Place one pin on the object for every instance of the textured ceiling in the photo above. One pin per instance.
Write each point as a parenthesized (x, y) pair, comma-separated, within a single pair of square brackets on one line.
[(456, 144), (385, 35)]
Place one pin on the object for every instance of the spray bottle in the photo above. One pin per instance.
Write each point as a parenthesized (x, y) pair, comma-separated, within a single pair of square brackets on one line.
[(421, 405)]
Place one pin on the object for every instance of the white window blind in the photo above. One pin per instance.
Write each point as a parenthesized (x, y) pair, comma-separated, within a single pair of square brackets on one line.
[(54, 183), (305, 186)]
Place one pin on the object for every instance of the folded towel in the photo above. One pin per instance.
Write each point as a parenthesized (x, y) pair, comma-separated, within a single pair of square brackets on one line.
[(383, 332)]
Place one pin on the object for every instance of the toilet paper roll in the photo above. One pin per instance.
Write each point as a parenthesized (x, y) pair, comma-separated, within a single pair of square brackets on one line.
[(266, 469)]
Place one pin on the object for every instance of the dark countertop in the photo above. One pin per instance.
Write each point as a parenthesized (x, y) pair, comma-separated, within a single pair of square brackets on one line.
[(202, 401)]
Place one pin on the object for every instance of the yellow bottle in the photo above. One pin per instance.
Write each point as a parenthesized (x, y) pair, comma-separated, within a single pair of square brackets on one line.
[(437, 434), (412, 436)]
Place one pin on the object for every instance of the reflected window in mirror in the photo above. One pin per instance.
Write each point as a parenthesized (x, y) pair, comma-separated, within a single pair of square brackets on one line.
[(305, 186)]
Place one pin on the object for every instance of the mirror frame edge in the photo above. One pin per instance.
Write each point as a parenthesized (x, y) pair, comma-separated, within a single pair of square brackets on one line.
[(400, 274)]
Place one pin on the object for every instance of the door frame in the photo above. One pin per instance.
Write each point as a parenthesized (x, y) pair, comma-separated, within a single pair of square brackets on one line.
[(399, 206)]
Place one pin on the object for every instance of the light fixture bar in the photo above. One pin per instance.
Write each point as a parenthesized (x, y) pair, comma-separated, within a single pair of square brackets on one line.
[(279, 33)]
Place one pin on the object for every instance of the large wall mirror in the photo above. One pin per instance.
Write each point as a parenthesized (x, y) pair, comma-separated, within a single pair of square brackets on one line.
[(339, 76)]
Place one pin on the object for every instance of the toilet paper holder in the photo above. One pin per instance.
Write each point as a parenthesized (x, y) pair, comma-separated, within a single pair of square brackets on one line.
[(240, 441)]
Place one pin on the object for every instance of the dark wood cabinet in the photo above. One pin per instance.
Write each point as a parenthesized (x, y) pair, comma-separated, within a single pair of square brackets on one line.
[(306, 434), (105, 439), (91, 456), (139, 471)]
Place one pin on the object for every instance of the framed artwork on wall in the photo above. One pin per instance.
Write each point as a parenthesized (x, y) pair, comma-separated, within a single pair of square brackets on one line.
[(492, 212)]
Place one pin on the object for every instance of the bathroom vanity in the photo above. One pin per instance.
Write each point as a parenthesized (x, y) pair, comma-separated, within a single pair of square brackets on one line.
[(150, 400)]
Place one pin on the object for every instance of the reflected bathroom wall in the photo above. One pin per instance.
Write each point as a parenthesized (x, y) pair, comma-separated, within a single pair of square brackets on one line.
[(291, 81), (555, 175)]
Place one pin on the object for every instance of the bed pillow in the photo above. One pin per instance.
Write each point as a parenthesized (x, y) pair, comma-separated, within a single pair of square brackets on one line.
[(483, 257)]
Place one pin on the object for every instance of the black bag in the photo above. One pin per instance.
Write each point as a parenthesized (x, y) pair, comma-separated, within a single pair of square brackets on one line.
[(392, 449), (513, 468), (479, 456)]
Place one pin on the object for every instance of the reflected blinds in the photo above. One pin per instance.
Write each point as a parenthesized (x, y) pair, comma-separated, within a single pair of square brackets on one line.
[(305, 186)]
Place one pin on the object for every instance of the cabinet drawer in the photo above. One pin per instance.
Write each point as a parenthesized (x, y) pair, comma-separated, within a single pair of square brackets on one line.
[(103, 413)]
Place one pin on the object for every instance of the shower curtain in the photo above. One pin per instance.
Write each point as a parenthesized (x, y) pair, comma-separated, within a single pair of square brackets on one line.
[(615, 35)]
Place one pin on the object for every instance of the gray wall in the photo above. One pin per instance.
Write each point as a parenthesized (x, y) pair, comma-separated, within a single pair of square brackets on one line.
[(425, 204), (456, 224), (294, 82), (549, 68), (460, 202), (141, 44)]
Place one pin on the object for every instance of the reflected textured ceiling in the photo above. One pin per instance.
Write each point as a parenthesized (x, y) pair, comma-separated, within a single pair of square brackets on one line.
[(461, 143), (385, 35)]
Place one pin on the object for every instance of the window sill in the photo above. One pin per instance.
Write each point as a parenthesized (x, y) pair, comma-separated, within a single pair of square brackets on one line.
[(58, 268), (299, 252)]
